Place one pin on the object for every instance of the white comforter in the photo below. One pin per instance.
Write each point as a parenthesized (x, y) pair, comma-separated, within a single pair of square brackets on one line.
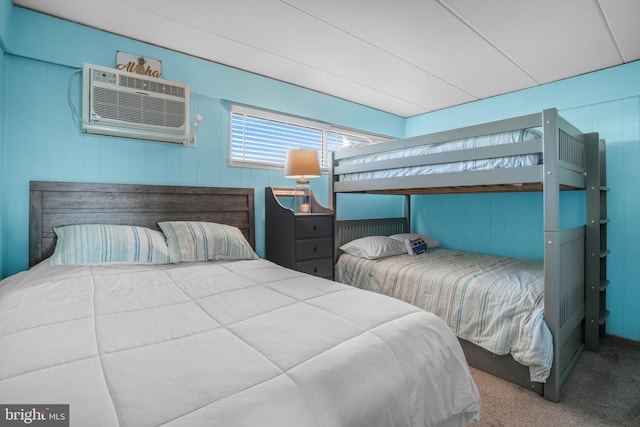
[(233, 343)]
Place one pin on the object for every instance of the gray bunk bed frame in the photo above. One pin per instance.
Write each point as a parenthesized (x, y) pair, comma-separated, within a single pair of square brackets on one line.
[(572, 160)]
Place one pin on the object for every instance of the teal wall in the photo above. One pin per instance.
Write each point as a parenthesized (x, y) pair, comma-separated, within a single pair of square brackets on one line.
[(42, 139), (3, 162), (5, 20), (607, 102), (5, 12)]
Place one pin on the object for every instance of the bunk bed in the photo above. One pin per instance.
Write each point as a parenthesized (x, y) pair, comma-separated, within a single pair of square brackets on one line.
[(536, 152)]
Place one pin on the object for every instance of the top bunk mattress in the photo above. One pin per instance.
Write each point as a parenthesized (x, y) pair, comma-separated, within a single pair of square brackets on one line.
[(462, 166)]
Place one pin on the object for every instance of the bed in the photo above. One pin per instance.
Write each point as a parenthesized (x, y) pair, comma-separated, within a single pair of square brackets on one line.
[(202, 331), (537, 152)]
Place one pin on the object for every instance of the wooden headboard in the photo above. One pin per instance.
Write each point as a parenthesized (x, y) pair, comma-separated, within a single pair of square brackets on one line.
[(53, 204)]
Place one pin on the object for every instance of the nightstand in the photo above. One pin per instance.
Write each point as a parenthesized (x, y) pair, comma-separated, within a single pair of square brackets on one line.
[(300, 241)]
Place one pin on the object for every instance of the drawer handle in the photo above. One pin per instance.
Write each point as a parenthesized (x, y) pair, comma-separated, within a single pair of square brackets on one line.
[(315, 249), (315, 227), (315, 270)]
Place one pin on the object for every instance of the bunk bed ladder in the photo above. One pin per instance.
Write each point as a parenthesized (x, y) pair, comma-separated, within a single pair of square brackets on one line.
[(596, 254), (564, 250)]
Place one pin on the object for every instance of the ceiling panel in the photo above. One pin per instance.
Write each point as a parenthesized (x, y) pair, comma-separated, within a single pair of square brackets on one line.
[(549, 39), (336, 53), (427, 36), (406, 57), (623, 16)]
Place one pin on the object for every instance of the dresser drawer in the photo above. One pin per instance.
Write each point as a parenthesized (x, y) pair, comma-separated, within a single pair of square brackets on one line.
[(322, 267), (311, 226), (314, 248)]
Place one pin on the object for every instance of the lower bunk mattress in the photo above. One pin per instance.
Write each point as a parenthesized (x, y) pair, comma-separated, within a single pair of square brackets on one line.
[(225, 343), (494, 302)]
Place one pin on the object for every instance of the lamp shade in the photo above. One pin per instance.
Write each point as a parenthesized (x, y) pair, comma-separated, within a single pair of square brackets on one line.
[(302, 163)]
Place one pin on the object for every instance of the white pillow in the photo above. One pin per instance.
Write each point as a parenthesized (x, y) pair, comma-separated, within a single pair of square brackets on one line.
[(373, 247), (201, 241), (108, 243), (431, 243)]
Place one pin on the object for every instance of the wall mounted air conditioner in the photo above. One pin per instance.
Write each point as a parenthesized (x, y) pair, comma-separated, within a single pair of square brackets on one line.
[(120, 103)]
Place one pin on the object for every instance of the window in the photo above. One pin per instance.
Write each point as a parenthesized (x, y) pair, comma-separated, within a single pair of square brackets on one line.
[(261, 138)]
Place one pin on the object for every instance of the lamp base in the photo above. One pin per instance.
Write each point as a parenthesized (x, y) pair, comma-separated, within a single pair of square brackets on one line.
[(305, 208), (303, 196)]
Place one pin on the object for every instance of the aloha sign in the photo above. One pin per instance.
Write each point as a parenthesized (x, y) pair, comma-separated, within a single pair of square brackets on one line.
[(138, 64)]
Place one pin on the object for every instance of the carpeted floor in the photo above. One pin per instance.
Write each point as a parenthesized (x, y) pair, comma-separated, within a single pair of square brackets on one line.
[(603, 390)]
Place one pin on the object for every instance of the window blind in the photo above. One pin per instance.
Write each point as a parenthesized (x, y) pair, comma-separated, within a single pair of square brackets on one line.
[(261, 138)]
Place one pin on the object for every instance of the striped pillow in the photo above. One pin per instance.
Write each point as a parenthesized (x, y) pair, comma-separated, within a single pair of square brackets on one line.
[(201, 241), (107, 243)]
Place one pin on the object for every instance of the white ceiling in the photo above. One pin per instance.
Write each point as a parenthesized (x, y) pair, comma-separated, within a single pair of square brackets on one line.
[(406, 57)]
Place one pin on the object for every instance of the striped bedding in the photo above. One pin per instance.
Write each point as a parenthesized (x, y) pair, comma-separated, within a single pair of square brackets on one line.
[(478, 164), (494, 302)]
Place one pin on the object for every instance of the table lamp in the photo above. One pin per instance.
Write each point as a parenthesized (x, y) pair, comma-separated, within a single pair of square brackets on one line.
[(302, 164)]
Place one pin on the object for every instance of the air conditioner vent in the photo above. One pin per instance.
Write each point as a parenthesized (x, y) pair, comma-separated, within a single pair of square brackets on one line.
[(151, 86), (119, 103)]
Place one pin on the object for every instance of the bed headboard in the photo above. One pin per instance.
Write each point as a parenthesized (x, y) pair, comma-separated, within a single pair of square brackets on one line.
[(54, 204), (351, 229)]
